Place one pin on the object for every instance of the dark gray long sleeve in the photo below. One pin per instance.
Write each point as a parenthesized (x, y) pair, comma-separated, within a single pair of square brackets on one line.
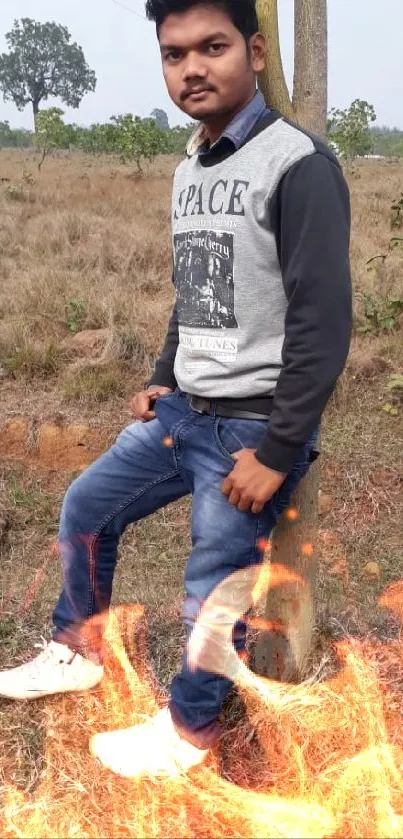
[(310, 214), (164, 367)]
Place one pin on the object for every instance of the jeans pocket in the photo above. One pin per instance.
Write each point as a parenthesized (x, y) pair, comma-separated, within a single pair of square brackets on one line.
[(231, 435)]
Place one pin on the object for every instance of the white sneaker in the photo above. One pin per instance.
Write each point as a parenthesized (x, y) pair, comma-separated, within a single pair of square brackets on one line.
[(57, 669), (153, 748)]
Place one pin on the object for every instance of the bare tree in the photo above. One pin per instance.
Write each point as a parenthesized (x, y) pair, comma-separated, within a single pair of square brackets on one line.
[(285, 653)]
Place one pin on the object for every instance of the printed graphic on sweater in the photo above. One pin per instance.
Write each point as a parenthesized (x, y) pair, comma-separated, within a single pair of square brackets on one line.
[(204, 279), (199, 347)]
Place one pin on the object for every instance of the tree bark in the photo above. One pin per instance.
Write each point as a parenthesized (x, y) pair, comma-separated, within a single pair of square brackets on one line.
[(272, 80), (285, 655), (311, 64), (35, 108)]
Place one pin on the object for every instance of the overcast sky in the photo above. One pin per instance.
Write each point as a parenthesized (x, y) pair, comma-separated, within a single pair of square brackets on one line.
[(365, 41)]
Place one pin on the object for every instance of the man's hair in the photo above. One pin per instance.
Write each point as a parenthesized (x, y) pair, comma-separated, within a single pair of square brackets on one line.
[(241, 12)]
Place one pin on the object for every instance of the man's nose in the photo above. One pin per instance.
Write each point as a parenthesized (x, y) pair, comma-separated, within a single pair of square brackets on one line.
[(194, 67)]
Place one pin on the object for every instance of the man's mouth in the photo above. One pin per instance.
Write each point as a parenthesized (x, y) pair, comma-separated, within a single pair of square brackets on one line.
[(198, 94)]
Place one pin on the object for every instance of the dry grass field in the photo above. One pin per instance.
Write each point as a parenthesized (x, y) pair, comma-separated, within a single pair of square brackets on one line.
[(86, 246)]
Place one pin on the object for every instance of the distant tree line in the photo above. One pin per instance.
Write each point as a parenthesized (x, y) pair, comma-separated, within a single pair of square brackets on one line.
[(387, 142), (130, 137), (135, 139), (14, 138)]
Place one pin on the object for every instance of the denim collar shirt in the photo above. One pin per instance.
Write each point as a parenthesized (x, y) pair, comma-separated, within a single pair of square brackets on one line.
[(236, 132)]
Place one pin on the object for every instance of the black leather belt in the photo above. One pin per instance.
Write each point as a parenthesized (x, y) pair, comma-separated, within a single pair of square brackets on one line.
[(235, 408)]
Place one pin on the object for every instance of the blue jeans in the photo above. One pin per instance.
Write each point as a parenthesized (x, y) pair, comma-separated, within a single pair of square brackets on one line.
[(138, 475)]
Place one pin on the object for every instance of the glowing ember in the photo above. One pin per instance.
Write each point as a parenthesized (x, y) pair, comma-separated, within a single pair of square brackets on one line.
[(307, 549), (313, 760), (263, 545), (168, 442), (292, 514)]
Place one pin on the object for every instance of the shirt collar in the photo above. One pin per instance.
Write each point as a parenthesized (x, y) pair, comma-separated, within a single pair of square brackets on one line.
[(237, 130)]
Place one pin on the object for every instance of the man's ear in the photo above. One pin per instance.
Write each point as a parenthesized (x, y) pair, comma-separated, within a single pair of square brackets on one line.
[(257, 52)]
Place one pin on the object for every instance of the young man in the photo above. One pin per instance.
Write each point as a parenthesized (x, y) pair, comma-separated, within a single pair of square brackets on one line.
[(240, 396)]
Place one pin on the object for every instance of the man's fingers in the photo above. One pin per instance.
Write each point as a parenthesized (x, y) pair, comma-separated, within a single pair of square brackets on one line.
[(244, 504), (226, 486), (234, 497), (257, 507), (141, 406)]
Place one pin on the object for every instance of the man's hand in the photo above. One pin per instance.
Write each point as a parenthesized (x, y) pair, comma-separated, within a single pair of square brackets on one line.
[(250, 485), (142, 402)]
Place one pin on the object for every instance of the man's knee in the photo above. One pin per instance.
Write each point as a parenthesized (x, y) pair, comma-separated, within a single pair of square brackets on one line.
[(78, 506)]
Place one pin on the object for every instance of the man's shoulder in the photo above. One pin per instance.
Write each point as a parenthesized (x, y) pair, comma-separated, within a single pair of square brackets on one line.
[(291, 138), (183, 166)]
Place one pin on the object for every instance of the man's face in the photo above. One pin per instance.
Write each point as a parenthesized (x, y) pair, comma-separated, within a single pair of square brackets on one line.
[(207, 67)]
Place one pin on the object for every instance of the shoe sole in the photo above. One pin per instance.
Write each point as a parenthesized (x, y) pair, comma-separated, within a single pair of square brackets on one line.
[(39, 694)]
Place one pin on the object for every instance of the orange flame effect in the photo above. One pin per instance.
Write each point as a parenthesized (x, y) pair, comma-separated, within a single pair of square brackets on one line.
[(324, 760)]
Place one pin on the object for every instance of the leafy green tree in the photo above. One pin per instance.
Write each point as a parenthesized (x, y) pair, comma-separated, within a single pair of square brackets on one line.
[(139, 139), (349, 130), (161, 118), (50, 133), (42, 62)]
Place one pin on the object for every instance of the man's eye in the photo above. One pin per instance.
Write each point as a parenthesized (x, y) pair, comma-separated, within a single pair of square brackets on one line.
[(216, 49), (172, 56)]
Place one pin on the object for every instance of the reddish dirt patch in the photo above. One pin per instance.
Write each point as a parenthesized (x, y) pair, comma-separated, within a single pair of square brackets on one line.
[(70, 448)]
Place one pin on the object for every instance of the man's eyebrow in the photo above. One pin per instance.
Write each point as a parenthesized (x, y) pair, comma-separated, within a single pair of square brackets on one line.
[(214, 37)]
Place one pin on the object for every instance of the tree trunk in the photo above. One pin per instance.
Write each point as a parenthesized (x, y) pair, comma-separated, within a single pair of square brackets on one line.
[(311, 64), (35, 108), (309, 102), (285, 655), (272, 80)]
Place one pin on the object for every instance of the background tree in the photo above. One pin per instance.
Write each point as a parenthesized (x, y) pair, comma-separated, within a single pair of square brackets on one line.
[(50, 133), (284, 654), (42, 62), (349, 130), (138, 139), (161, 118)]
